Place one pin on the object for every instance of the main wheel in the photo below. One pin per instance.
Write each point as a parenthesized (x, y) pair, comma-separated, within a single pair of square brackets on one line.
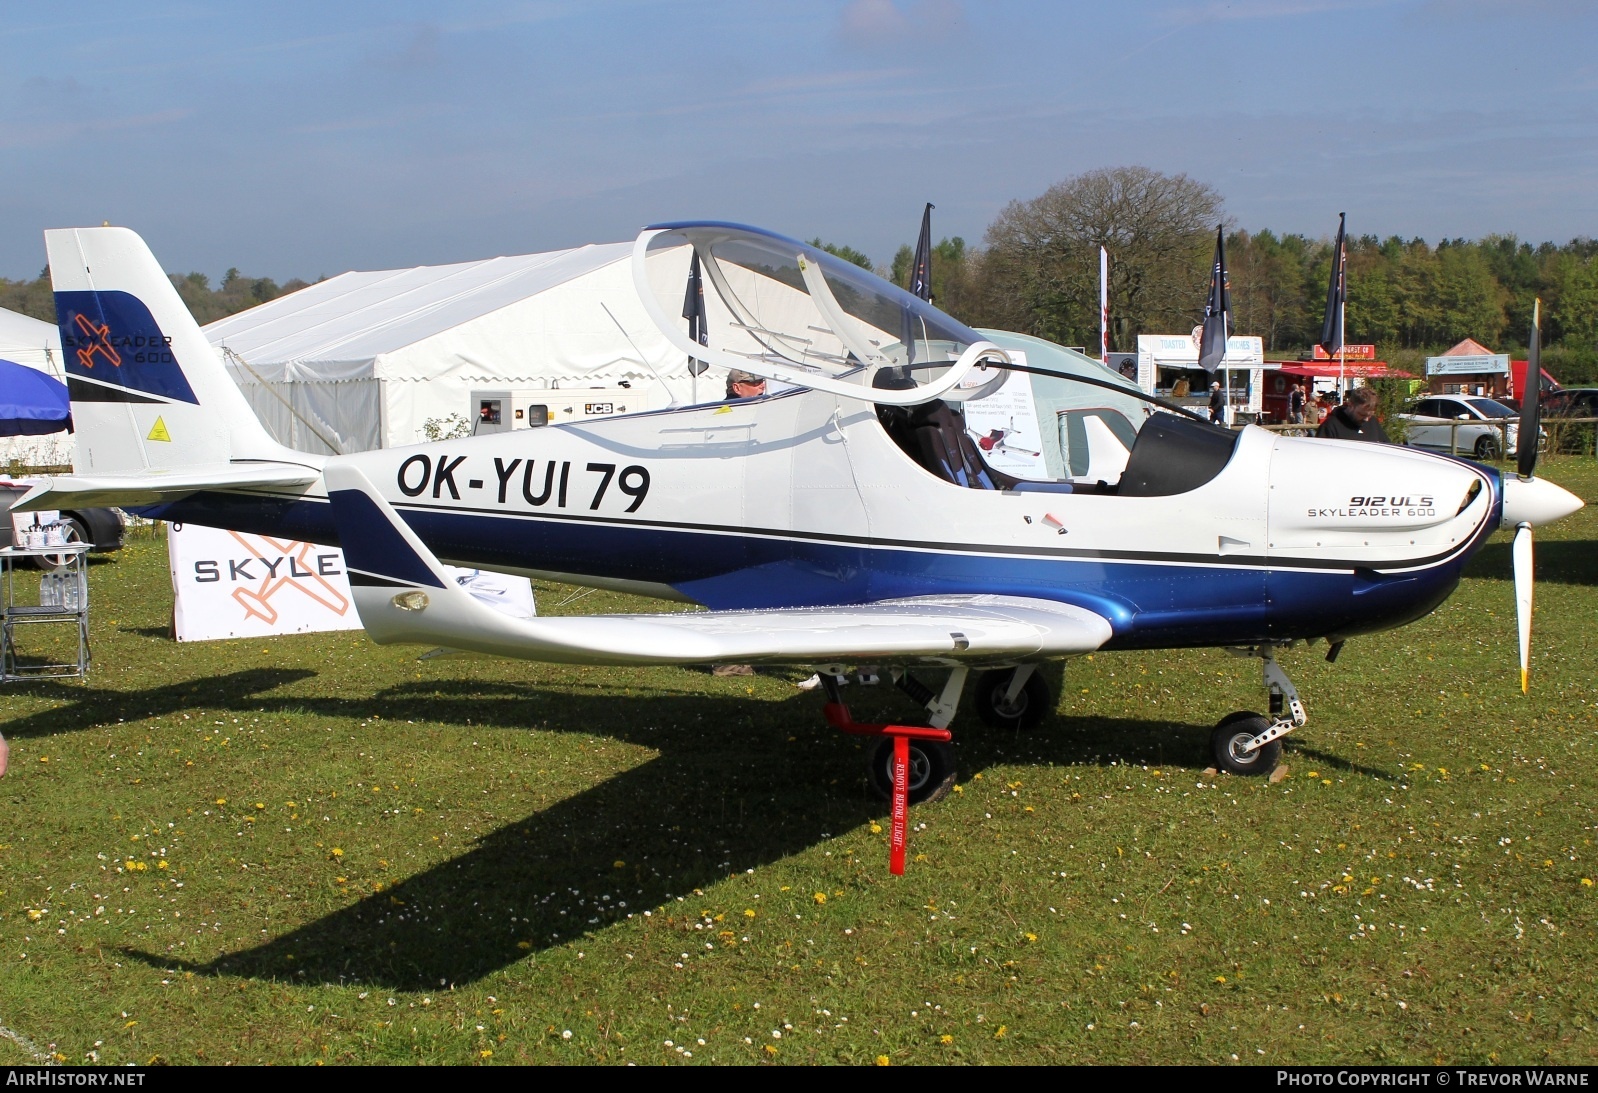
[(76, 533), (931, 770), (1235, 731), (1026, 711), (1488, 447)]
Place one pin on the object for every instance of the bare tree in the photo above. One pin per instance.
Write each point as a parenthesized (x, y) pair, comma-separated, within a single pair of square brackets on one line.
[(1040, 266)]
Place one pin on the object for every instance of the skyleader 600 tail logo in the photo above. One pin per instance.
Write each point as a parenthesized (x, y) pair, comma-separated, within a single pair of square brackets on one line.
[(116, 329)]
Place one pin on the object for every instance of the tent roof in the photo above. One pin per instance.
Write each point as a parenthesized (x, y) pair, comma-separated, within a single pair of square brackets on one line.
[(360, 316), (19, 331)]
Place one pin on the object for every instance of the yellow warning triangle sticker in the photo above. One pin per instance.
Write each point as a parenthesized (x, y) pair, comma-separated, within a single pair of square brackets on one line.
[(158, 432)]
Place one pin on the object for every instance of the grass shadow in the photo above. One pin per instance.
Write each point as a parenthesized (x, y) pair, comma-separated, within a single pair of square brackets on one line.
[(1561, 561), (733, 786), (1337, 762), (87, 706)]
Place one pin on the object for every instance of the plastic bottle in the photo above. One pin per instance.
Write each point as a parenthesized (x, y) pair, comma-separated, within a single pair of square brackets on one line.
[(69, 582), (48, 590)]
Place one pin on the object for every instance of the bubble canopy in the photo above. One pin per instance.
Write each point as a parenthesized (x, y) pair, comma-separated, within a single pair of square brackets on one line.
[(742, 298)]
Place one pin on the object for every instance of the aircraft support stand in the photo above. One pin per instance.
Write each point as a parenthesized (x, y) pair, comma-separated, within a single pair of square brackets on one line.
[(934, 768)]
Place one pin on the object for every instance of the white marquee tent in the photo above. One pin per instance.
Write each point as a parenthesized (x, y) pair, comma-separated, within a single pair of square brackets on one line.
[(28, 341), (366, 359)]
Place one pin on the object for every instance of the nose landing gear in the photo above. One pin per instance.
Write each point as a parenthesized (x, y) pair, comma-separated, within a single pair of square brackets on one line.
[(1248, 743)]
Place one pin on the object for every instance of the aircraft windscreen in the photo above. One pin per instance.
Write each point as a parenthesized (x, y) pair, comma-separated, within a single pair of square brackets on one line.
[(778, 301)]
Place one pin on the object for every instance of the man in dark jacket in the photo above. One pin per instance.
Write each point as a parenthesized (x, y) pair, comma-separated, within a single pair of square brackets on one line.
[(1355, 419)]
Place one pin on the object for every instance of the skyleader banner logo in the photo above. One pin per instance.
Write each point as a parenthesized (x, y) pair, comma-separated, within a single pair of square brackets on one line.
[(232, 584)]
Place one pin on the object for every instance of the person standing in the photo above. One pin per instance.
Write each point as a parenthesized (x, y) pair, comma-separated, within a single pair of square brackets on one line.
[(1355, 419), (1295, 405), (1217, 404)]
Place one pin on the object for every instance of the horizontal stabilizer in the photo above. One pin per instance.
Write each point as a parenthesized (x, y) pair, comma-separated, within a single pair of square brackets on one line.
[(404, 595), (155, 485)]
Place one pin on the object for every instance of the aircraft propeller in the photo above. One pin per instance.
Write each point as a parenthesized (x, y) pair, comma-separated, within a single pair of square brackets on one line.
[(1528, 500), (1525, 466)]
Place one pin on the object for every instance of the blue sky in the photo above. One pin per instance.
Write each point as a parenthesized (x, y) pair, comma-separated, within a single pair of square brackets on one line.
[(300, 139)]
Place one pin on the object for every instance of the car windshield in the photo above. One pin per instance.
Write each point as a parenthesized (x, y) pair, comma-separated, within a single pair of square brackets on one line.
[(1491, 408), (777, 301)]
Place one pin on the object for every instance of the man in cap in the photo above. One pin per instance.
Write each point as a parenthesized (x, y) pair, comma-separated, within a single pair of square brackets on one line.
[(741, 384), (1217, 404)]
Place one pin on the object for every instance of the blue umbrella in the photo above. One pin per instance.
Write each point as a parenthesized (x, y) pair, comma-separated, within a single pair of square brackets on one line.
[(31, 402)]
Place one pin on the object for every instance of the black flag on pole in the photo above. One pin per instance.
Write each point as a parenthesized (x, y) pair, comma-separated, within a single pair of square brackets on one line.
[(1336, 295), (921, 267), (920, 283), (1217, 311), (693, 309)]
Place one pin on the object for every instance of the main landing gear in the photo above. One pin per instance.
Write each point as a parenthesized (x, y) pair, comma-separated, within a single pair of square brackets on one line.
[(914, 764), (1248, 743)]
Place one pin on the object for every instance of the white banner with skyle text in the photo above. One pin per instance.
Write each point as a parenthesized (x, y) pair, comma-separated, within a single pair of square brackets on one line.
[(235, 584)]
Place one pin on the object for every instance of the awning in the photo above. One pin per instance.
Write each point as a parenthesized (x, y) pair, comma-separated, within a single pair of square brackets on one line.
[(1369, 370), (31, 403)]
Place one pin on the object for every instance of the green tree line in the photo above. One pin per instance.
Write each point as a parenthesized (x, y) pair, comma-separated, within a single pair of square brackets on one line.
[(236, 293), (1038, 272)]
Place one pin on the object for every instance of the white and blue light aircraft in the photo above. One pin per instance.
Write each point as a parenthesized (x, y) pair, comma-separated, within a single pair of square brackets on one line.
[(846, 521)]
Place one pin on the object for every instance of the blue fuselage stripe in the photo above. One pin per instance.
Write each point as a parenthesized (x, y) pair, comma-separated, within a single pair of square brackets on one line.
[(1151, 604)]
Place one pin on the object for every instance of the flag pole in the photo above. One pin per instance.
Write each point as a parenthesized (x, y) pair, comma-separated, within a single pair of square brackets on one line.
[(1104, 307), (1342, 321), (1342, 338)]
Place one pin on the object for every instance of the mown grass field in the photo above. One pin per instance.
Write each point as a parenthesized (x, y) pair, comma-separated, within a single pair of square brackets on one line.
[(313, 849)]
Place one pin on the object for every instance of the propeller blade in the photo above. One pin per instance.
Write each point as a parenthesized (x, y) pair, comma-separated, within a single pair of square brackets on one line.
[(1530, 399), (1521, 553)]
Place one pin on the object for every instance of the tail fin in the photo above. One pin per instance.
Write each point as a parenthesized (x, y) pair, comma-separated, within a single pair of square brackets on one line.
[(148, 390)]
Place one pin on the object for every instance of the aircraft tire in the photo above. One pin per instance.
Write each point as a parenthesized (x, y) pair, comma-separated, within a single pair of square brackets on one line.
[(932, 770), (1028, 710), (1235, 730)]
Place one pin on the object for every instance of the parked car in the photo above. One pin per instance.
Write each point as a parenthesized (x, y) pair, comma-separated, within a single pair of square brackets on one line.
[(103, 528), (1466, 424), (1571, 402), (1559, 407)]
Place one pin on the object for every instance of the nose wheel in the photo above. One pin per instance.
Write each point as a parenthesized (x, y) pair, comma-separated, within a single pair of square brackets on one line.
[(1231, 743), (1251, 743)]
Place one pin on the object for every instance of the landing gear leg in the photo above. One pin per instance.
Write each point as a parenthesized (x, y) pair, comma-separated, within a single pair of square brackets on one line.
[(1246, 743), (913, 763)]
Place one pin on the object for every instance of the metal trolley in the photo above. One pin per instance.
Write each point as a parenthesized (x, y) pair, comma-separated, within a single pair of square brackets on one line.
[(69, 585)]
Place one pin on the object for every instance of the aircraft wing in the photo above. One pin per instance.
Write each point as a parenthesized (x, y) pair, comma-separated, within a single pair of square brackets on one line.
[(149, 487), (404, 595)]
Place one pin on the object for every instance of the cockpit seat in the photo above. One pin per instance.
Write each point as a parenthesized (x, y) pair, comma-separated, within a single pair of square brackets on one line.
[(934, 435)]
